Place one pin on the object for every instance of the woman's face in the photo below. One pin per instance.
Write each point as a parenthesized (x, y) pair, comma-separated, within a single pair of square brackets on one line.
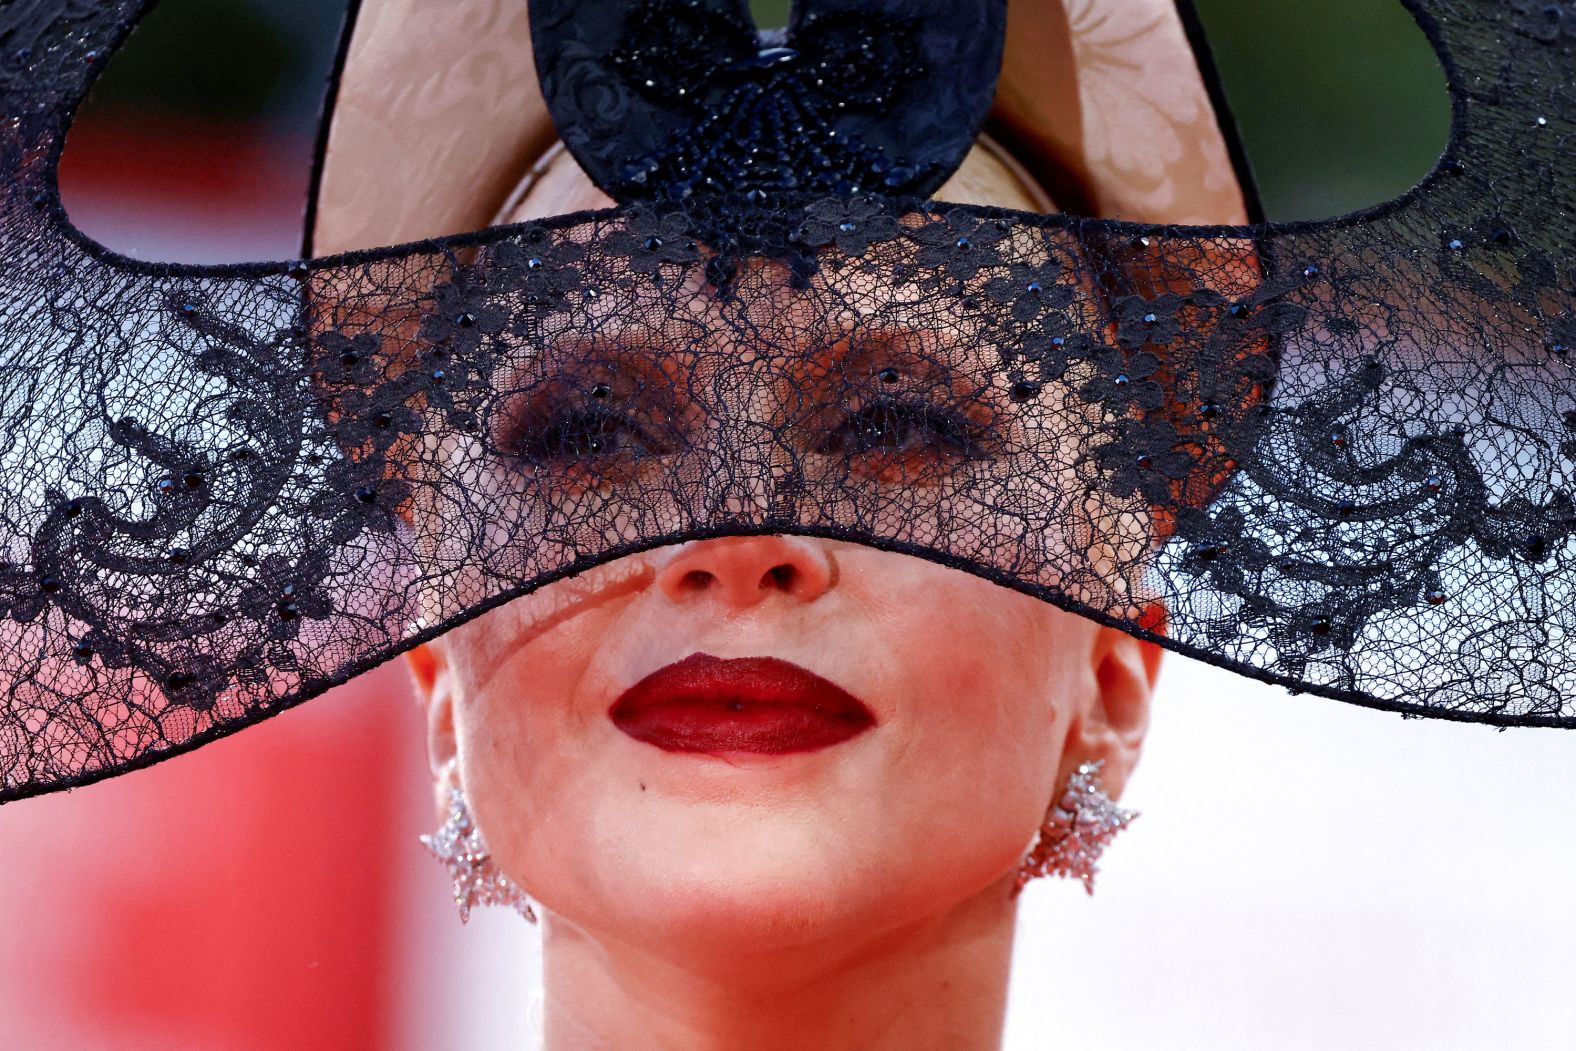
[(787, 811)]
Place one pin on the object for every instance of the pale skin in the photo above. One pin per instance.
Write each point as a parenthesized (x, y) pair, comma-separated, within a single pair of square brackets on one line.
[(856, 897)]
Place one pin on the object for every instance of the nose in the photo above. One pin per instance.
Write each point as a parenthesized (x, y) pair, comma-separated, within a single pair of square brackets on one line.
[(741, 571)]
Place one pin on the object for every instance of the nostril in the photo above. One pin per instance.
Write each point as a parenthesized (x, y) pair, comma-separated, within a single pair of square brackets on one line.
[(743, 571), (695, 580)]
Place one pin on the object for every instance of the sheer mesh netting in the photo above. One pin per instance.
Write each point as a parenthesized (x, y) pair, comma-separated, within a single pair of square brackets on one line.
[(1336, 455)]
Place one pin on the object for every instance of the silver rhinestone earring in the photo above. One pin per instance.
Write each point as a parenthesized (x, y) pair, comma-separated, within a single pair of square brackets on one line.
[(1077, 828), (477, 881)]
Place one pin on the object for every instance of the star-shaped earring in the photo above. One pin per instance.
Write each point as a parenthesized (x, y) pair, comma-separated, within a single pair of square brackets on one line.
[(1077, 829), (477, 880)]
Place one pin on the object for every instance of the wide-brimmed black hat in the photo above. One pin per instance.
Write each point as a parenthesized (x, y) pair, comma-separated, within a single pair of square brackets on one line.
[(1335, 455)]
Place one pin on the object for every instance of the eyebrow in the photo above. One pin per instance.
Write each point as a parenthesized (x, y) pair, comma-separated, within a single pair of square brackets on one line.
[(940, 356), (614, 340)]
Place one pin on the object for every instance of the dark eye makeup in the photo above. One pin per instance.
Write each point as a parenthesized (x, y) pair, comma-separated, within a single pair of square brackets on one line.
[(605, 419), (572, 434), (892, 399), (903, 426), (552, 433)]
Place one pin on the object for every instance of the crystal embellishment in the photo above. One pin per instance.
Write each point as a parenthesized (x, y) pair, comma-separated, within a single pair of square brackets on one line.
[(1077, 829), (477, 880)]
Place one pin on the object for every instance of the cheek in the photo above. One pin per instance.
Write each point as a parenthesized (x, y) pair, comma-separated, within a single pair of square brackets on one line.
[(984, 657), (518, 673), (985, 682)]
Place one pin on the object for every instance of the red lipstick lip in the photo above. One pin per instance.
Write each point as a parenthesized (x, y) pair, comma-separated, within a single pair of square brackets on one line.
[(748, 704)]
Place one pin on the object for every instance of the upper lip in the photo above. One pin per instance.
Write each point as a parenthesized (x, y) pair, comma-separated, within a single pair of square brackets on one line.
[(702, 678)]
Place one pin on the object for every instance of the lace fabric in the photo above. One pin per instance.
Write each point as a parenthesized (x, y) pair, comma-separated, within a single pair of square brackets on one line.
[(1332, 455)]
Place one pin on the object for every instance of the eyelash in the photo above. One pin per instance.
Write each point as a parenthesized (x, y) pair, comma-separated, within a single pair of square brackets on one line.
[(584, 433), (901, 426), (890, 424)]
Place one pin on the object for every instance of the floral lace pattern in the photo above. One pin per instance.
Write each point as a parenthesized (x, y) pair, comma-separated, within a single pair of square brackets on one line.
[(1339, 455)]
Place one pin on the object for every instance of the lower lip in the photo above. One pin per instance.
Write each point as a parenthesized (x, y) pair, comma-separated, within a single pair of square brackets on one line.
[(774, 729)]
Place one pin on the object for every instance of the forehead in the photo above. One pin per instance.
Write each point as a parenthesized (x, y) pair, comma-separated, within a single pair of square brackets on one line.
[(770, 308), (764, 326), (785, 343)]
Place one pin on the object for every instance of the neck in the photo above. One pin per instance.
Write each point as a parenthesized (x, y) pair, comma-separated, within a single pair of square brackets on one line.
[(940, 983)]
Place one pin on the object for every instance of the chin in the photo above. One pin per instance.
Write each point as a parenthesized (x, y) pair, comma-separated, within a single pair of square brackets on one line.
[(763, 889), (743, 894)]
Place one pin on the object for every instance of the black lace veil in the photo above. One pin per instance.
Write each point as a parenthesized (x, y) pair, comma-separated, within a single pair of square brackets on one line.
[(1338, 455)]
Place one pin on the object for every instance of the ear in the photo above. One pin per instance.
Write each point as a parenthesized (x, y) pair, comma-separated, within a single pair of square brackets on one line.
[(434, 683), (1112, 727)]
